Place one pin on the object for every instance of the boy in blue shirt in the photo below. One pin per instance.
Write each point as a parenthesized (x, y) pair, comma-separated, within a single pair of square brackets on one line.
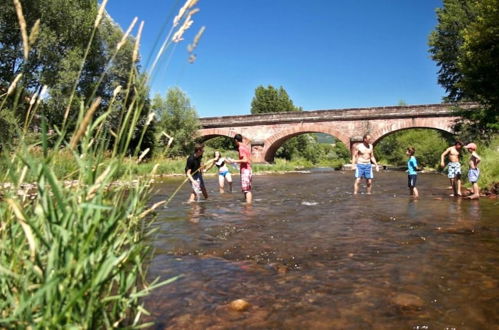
[(412, 166)]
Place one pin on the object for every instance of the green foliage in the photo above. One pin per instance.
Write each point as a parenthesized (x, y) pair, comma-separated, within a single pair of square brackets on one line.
[(478, 58), (445, 45), (308, 148), (270, 99), (295, 147), (489, 171), (429, 145), (178, 119), (220, 143), (72, 253), (465, 47), (56, 58), (64, 28), (8, 127)]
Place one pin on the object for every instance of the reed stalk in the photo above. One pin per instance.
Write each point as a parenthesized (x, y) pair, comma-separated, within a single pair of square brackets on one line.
[(73, 255)]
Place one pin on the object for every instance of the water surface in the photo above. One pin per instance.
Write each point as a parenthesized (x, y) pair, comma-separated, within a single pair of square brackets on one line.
[(310, 255)]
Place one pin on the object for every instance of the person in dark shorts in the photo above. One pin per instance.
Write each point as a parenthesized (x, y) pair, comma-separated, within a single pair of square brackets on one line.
[(412, 174), (193, 170)]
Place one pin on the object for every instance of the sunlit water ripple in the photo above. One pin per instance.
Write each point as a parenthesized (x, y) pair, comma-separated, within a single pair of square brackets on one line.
[(309, 254)]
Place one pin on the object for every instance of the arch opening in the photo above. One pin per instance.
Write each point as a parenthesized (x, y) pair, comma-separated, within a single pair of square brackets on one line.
[(314, 147), (429, 143), (216, 141)]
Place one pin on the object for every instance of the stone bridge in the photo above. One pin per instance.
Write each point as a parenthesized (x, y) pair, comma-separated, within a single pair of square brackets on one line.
[(265, 133)]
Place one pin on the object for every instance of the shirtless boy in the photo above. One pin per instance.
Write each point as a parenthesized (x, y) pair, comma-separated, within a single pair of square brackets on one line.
[(454, 167), (362, 160)]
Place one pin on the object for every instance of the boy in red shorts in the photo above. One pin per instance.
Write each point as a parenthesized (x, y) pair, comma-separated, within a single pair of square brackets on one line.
[(245, 167)]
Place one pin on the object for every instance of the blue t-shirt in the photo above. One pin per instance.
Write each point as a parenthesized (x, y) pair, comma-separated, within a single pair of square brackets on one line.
[(412, 165)]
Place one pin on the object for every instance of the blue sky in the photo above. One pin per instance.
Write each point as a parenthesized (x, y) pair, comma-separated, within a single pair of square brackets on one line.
[(327, 54)]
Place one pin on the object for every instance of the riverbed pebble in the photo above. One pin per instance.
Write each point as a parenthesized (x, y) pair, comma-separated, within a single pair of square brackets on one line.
[(408, 301), (239, 305)]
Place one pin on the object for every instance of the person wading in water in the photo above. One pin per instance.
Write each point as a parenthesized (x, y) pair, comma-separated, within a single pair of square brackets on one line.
[(223, 171), (362, 162), (454, 167), (244, 166)]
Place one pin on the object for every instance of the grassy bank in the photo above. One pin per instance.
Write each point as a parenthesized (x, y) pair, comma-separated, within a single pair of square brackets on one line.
[(66, 167)]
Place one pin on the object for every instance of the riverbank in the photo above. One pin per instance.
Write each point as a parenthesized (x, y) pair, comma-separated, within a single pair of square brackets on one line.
[(66, 168)]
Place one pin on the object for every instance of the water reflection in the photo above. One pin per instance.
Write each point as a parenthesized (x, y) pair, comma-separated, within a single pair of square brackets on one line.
[(308, 254), (196, 212)]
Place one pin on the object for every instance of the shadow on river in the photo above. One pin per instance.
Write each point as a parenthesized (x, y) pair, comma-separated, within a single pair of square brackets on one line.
[(310, 255)]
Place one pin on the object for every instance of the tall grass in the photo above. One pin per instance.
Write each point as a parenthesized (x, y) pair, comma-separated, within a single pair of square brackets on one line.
[(72, 256)]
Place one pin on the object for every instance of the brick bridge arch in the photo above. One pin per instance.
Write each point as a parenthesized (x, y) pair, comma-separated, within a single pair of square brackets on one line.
[(274, 142), (265, 133), (443, 124)]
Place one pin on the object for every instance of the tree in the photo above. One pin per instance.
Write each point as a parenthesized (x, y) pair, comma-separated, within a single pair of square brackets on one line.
[(178, 119), (479, 60), (221, 143), (465, 45), (64, 30), (271, 99)]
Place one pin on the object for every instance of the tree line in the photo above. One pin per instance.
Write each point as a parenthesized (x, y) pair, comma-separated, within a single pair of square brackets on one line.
[(464, 45)]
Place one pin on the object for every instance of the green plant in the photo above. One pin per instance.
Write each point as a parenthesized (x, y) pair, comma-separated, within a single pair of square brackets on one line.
[(72, 253)]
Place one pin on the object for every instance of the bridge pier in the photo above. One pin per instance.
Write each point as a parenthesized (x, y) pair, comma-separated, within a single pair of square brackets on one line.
[(257, 155)]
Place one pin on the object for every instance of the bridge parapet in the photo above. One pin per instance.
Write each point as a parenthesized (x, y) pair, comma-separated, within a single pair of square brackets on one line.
[(391, 112)]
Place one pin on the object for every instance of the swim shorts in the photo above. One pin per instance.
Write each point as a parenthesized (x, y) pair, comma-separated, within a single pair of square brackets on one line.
[(246, 178), (454, 169), (198, 185), (223, 173), (411, 180), (473, 175), (364, 170)]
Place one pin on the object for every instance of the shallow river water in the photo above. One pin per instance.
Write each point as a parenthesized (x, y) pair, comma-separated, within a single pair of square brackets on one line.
[(310, 255)]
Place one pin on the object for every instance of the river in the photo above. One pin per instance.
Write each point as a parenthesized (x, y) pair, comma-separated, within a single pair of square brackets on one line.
[(309, 255)]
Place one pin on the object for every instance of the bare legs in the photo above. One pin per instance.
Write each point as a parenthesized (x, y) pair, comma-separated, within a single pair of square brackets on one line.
[(249, 197), (476, 191), (221, 182), (356, 186), (369, 186), (456, 186), (369, 183), (193, 196)]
